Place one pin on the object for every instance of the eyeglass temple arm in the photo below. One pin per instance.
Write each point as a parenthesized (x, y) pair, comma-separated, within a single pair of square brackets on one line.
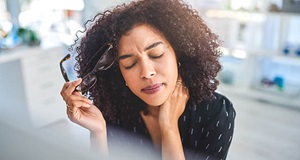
[(93, 61), (63, 71)]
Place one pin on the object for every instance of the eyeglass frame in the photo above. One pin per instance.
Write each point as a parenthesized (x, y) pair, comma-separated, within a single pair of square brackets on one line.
[(99, 66)]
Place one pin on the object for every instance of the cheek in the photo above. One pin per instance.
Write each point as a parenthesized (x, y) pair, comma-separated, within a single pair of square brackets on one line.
[(171, 72), (131, 81), (129, 77), (171, 67)]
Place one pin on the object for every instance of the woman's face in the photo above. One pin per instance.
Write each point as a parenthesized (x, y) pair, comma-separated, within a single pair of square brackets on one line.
[(148, 64)]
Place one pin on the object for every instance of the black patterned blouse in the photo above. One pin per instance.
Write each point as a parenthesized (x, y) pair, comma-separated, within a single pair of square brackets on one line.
[(206, 130)]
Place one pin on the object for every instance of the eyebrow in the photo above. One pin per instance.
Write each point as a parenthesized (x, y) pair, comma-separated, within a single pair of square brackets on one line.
[(153, 45), (146, 49)]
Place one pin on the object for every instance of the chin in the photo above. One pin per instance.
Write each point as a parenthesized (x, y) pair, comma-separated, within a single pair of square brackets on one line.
[(155, 103)]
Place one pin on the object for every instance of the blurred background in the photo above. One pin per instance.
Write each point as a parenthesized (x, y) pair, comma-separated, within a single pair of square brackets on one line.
[(261, 75)]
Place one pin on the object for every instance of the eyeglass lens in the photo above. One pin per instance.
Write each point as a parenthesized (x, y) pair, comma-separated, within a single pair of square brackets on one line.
[(87, 83), (89, 79)]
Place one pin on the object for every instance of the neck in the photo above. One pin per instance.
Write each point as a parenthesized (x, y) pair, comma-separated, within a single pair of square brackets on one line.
[(151, 122), (153, 110)]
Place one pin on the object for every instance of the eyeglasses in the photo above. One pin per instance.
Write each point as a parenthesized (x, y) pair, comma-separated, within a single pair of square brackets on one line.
[(89, 79)]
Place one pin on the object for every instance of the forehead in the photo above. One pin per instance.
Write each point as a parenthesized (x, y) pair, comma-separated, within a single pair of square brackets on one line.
[(140, 36), (142, 28)]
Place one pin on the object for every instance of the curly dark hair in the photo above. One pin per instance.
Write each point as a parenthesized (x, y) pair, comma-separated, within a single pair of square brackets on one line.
[(195, 46)]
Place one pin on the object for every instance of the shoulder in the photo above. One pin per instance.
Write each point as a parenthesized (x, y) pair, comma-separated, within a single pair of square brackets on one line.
[(213, 126), (220, 101), (218, 107)]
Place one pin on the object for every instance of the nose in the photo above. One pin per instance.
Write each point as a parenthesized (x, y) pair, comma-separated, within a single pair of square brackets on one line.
[(147, 70)]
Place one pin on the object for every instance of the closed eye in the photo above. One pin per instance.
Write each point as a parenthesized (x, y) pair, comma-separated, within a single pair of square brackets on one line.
[(157, 57), (128, 67), (152, 57)]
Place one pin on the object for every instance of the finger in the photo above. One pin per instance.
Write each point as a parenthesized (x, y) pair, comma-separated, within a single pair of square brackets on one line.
[(178, 87), (71, 112), (79, 104), (68, 88), (62, 91), (81, 97), (70, 109), (71, 88), (75, 101), (179, 79), (65, 86), (186, 90), (179, 83), (77, 93), (181, 89)]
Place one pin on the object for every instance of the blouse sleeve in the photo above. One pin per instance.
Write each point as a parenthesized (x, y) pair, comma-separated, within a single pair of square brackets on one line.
[(217, 130)]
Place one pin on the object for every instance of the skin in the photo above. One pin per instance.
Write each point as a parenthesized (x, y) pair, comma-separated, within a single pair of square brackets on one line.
[(149, 67), (147, 63)]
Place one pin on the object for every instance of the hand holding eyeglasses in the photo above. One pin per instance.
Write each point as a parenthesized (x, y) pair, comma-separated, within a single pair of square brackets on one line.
[(81, 110)]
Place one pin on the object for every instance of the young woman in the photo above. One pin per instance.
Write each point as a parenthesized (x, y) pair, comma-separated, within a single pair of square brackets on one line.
[(157, 81)]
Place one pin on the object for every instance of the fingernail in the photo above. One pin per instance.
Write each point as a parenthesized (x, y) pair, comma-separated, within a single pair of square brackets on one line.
[(87, 105)]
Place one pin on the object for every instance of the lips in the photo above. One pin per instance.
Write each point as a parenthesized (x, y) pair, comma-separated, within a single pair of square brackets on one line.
[(152, 89)]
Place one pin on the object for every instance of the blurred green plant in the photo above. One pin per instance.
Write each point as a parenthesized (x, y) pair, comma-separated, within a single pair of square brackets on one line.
[(28, 36)]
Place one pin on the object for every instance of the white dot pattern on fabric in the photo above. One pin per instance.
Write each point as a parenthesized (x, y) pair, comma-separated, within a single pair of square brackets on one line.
[(207, 157), (219, 136), (220, 149), (184, 118), (199, 119), (196, 143), (192, 130), (229, 126), (217, 125), (207, 146), (207, 134), (230, 138), (142, 143), (207, 107)]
